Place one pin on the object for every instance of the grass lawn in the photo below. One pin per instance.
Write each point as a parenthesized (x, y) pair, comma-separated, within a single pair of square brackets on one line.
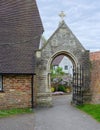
[(7, 113), (91, 109)]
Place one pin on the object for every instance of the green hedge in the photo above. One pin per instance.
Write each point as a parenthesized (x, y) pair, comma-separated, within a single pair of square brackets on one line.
[(61, 88)]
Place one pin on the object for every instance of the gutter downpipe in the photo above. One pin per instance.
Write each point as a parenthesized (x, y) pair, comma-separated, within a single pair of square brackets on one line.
[(32, 93)]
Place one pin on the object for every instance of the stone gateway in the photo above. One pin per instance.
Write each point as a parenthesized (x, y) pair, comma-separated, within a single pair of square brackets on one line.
[(62, 42)]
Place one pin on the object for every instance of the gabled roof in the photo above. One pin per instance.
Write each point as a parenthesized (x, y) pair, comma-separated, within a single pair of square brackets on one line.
[(61, 26), (20, 32), (57, 60), (19, 20)]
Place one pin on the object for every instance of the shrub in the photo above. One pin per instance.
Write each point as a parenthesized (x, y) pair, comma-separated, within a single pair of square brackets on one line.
[(52, 89), (61, 88), (68, 89)]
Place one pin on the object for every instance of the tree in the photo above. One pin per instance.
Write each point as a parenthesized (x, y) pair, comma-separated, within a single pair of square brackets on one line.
[(56, 77), (57, 73)]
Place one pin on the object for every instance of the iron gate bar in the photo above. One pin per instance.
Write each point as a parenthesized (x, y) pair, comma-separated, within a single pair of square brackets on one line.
[(78, 84)]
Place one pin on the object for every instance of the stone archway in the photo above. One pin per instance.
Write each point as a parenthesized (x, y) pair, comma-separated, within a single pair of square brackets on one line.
[(65, 53), (63, 41)]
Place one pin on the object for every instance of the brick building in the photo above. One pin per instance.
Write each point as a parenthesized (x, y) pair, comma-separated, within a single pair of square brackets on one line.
[(20, 33)]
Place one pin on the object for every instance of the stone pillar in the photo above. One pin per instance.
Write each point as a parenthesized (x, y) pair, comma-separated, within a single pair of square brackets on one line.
[(44, 96), (95, 82), (86, 77)]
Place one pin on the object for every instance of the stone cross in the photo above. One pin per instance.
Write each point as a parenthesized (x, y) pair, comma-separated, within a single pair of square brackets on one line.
[(62, 15)]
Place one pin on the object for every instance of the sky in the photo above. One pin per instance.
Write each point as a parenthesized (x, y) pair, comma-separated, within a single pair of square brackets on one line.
[(82, 17)]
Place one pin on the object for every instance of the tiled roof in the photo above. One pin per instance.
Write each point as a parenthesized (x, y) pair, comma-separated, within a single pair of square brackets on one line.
[(19, 20), (20, 32), (57, 60), (17, 58)]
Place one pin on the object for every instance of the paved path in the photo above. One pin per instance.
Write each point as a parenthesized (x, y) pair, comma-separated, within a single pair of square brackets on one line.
[(62, 116), (20, 122)]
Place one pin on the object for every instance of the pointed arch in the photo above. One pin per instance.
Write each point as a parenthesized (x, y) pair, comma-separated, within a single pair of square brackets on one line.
[(62, 52)]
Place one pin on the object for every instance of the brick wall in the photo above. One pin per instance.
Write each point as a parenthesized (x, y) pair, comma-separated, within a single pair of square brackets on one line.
[(95, 55), (95, 77), (17, 92)]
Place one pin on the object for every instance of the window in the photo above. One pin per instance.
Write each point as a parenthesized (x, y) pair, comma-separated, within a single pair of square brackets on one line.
[(55, 67), (66, 67), (1, 86)]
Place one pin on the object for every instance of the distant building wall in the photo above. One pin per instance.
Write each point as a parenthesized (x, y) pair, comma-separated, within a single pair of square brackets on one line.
[(66, 65)]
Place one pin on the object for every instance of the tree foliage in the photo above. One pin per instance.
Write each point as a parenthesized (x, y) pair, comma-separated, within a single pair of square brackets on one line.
[(56, 77), (56, 73)]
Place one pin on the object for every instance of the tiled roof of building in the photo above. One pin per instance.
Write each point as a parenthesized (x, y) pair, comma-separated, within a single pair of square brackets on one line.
[(57, 60), (20, 32), (19, 20)]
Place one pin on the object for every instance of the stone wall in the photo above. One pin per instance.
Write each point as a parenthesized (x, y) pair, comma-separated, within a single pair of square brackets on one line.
[(17, 92), (95, 81)]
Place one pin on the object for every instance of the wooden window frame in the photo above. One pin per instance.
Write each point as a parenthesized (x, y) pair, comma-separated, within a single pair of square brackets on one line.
[(1, 87)]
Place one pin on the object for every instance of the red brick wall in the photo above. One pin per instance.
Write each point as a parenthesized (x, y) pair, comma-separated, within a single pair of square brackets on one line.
[(95, 55), (17, 92), (95, 81)]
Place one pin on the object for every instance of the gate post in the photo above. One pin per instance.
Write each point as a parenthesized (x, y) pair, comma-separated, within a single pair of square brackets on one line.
[(43, 95)]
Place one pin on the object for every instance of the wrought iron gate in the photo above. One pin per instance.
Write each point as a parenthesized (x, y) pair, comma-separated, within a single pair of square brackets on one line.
[(78, 85)]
